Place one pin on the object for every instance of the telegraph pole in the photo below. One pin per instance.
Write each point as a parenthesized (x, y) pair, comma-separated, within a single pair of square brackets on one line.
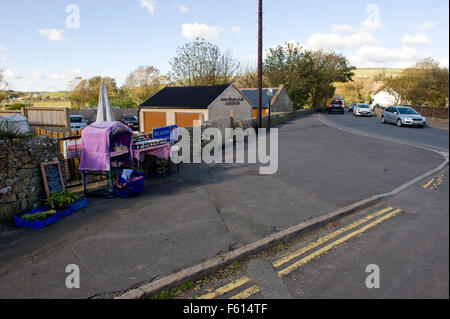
[(260, 31)]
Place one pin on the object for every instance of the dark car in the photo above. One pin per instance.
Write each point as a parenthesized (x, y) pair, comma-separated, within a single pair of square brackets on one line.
[(336, 106), (131, 121)]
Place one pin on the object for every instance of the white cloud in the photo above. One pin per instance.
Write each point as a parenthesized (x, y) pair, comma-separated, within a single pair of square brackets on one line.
[(427, 25), (342, 28), (65, 75), (8, 74), (53, 34), (2, 48), (419, 39), (183, 9), (35, 75), (191, 31), (235, 29), (149, 5), (443, 62), (321, 40), (371, 56)]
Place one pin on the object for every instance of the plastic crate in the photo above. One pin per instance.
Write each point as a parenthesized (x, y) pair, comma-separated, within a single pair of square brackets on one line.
[(79, 204), (35, 224), (63, 213), (126, 189)]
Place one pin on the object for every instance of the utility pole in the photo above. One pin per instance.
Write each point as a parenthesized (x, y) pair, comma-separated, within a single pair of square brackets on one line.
[(260, 30)]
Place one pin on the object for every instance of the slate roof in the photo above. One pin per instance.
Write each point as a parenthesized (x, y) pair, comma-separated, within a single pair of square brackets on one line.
[(197, 97), (252, 96)]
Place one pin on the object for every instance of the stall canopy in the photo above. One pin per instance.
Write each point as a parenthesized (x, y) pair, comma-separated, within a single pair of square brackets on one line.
[(98, 141), (104, 113)]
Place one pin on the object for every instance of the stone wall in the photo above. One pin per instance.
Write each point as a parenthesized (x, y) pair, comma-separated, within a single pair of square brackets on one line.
[(282, 102), (21, 185)]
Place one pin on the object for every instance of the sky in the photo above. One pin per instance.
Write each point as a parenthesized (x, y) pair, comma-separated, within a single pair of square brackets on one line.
[(45, 44)]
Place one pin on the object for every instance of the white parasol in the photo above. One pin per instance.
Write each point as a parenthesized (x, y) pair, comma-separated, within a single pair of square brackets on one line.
[(104, 113)]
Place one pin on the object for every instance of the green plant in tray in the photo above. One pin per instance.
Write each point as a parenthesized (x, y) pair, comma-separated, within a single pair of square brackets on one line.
[(61, 200)]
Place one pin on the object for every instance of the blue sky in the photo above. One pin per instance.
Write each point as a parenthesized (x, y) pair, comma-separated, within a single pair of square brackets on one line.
[(40, 51)]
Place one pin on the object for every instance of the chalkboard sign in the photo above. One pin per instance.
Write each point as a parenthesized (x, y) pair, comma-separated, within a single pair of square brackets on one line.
[(51, 173)]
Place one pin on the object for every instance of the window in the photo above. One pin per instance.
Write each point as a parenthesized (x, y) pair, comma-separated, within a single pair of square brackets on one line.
[(406, 110)]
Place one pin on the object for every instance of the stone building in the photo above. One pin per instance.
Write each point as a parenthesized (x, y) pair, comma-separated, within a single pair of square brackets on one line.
[(279, 101), (191, 106)]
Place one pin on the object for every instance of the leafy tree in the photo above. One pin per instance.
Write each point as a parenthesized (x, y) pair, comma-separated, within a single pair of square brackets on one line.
[(84, 92), (308, 75), (202, 63), (123, 100), (425, 83), (3, 93), (143, 83), (248, 78)]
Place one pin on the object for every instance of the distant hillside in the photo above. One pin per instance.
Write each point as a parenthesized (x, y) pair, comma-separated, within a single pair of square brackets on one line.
[(370, 72)]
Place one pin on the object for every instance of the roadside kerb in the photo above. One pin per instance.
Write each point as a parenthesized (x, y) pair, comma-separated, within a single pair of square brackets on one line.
[(197, 271), (214, 264)]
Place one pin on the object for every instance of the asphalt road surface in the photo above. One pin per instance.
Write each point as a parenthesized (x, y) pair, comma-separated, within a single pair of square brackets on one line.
[(426, 137), (398, 248), (206, 210)]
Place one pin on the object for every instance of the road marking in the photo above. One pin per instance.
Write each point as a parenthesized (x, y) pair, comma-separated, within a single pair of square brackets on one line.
[(223, 290), (428, 183), (323, 250), (438, 182), (321, 240), (247, 293)]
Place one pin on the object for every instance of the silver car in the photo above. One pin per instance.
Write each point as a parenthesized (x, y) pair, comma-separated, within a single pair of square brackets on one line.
[(402, 115), (361, 109)]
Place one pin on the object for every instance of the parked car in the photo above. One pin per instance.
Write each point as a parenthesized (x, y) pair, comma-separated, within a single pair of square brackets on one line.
[(336, 106), (362, 110), (351, 106), (131, 121), (403, 115), (78, 122)]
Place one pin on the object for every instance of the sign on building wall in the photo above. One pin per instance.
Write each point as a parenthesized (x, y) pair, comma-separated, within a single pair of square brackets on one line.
[(232, 100)]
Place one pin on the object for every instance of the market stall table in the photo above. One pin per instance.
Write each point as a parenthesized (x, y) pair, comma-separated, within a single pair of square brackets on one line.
[(162, 151), (105, 147)]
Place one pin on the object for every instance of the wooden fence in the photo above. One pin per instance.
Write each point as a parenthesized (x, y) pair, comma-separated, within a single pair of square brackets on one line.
[(10, 112), (56, 119)]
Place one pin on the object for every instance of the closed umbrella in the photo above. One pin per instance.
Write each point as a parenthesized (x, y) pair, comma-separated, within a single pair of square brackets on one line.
[(104, 113)]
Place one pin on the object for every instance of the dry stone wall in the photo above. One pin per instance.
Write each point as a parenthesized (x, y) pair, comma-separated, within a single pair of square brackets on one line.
[(21, 185)]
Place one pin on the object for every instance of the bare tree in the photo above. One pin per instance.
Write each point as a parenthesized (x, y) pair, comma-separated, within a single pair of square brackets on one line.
[(143, 83), (202, 63)]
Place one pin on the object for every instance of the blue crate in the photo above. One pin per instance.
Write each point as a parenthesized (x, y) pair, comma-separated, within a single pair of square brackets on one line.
[(79, 204), (63, 213), (35, 224)]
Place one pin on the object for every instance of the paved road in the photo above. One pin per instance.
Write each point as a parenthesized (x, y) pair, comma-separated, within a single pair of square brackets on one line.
[(202, 212), (426, 137), (406, 237)]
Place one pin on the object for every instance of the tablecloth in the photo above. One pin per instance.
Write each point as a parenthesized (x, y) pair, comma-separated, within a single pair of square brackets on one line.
[(161, 151)]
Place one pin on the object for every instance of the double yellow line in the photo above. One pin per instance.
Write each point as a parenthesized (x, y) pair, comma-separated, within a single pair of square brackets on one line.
[(283, 260), (436, 184)]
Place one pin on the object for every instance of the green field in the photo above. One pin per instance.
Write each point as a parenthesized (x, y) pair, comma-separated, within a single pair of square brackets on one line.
[(368, 73), (52, 104)]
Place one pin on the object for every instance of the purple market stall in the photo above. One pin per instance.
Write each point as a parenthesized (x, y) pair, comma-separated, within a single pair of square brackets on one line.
[(106, 148)]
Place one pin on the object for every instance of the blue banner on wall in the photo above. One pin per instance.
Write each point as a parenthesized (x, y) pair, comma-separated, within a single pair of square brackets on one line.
[(170, 133)]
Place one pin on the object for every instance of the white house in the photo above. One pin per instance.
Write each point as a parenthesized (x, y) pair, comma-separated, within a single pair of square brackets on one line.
[(384, 99)]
